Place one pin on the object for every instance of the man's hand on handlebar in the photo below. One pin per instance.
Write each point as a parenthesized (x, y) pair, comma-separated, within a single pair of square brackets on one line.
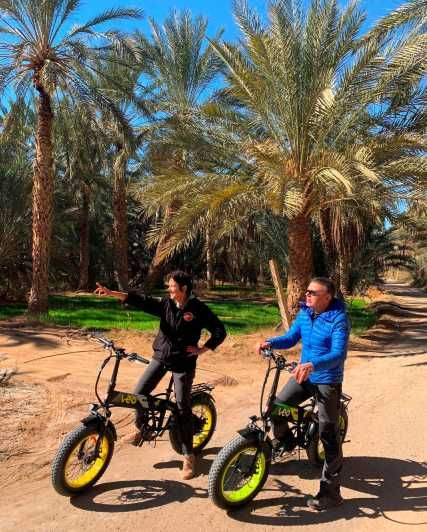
[(299, 371), (260, 346)]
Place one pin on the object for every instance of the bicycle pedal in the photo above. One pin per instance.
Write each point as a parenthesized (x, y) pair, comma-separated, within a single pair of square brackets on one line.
[(281, 454)]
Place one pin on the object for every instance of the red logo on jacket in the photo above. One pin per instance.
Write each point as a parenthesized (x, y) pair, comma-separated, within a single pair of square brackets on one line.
[(188, 316)]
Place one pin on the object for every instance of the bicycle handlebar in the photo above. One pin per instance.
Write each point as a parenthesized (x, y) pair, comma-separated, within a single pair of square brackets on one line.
[(267, 352), (109, 344), (276, 357), (134, 357), (104, 341)]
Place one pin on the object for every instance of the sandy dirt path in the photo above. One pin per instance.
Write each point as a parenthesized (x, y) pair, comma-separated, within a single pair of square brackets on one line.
[(385, 474)]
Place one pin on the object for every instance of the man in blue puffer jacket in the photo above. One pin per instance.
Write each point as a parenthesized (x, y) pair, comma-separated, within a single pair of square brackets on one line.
[(323, 327)]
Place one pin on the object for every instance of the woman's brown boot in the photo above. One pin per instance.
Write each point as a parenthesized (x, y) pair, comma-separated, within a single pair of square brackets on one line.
[(188, 466)]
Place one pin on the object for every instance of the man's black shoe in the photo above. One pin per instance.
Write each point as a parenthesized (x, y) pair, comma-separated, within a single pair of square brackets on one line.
[(324, 501)]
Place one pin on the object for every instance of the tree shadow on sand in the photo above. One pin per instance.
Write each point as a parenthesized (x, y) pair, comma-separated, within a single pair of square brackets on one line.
[(405, 291), (384, 486), (12, 337)]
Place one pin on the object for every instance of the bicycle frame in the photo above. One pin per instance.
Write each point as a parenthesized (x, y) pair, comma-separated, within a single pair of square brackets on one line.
[(280, 365), (155, 406), (297, 415), (148, 404)]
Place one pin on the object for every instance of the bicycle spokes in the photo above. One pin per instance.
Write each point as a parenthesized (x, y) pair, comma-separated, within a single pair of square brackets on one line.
[(83, 465), (202, 419), (243, 474)]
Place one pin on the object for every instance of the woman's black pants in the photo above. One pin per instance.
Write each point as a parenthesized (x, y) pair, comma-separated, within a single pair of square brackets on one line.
[(182, 386)]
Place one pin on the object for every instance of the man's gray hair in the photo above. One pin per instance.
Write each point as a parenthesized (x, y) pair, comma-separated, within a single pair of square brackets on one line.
[(327, 283)]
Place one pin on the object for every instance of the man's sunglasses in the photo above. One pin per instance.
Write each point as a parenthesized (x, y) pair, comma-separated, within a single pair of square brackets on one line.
[(314, 292)]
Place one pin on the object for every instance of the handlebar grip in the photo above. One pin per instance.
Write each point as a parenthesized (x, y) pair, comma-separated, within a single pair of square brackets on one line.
[(267, 352), (292, 366), (104, 341), (134, 357)]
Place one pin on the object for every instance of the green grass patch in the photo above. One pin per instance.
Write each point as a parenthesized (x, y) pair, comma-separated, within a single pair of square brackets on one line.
[(239, 317), (245, 317), (12, 310), (361, 316), (233, 290)]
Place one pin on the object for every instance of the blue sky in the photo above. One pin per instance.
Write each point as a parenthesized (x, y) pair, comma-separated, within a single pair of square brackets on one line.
[(218, 12)]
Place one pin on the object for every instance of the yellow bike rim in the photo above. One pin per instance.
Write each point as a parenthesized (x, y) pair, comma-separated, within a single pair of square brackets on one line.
[(248, 483), (202, 411), (79, 470)]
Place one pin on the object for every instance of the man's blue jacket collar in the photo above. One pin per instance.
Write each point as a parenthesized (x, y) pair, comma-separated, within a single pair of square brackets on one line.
[(337, 306)]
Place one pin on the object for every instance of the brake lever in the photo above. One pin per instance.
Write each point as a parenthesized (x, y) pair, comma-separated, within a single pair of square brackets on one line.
[(134, 357), (291, 367), (266, 353)]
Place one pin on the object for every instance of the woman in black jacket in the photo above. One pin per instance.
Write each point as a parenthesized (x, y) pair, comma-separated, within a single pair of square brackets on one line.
[(182, 318)]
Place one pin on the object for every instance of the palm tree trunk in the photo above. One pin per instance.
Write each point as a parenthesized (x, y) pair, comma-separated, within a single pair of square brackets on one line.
[(325, 237), (209, 261), (336, 277), (344, 275), (261, 276), (157, 266), (84, 238), (300, 259), (120, 225), (329, 247), (42, 205), (155, 272)]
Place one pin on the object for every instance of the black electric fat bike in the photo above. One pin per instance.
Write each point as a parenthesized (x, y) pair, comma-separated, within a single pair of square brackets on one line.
[(85, 453), (241, 468)]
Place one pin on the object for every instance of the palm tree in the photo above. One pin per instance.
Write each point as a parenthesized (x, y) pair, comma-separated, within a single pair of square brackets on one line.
[(40, 50), (81, 148), (179, 69), (120, 81), (16, 126), (309, 121), (342, 231), (412, 229), (306, 82)]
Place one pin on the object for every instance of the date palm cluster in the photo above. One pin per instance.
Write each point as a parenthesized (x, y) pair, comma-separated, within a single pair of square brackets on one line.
[(124, 153)]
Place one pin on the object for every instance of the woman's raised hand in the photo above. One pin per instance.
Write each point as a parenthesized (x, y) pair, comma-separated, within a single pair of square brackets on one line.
[(101, 290)]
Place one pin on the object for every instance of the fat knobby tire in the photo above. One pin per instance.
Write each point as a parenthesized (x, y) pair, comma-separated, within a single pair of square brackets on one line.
[(239, 443), (70, 441)]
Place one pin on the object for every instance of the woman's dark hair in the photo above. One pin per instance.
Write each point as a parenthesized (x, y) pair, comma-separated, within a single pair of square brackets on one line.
[(182, 279), (327, 283)]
